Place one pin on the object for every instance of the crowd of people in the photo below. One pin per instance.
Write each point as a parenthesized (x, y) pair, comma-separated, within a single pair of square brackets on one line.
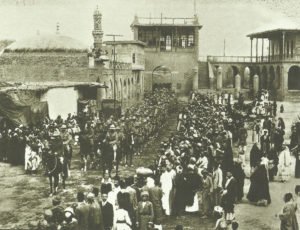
[(195, 164), (198, 169), (95, 134)]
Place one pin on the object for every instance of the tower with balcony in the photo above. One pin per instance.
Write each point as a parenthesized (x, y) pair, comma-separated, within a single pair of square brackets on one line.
[(171, 52)]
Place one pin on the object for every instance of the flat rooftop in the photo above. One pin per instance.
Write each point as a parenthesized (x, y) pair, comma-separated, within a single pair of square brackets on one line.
[(166, 21), (8, 86), (130, 42), (272, 33)]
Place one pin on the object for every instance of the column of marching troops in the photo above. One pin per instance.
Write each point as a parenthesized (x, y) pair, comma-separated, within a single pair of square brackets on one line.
[(95, 135), (194, 172)]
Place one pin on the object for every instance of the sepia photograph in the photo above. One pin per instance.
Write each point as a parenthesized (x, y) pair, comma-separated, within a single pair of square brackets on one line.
[(149, 114)]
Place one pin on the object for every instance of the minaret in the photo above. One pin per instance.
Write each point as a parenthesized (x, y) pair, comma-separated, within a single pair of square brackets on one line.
[(97, 32)]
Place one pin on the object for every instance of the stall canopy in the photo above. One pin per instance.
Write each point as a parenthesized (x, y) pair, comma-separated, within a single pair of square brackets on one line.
[(31, 102), (22, 108)]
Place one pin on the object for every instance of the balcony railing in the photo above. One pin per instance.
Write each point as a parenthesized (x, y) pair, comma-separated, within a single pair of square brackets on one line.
[(248, 59), (166, 20)]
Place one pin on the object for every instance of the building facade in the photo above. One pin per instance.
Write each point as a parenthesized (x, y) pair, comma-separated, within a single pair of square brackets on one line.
[(63, 60), (277, 68), (171, 52)]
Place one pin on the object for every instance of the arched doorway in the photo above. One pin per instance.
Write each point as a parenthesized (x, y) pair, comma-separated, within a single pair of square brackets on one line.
[(161, 77), (129, 90), (294, 78), (121, 89), (272, 81), (228, 80), (256, 72), (246, 80), (132, 88), (116, 90), (278, 78), (263, 78), (111, 89), (105, 91), (125, 90)]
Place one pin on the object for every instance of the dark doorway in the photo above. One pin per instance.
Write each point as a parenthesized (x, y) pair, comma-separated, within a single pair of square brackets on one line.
[(162, 86), (294, 78)]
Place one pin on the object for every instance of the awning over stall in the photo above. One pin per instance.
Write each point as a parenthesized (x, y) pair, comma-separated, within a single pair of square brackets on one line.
[(22, 110)]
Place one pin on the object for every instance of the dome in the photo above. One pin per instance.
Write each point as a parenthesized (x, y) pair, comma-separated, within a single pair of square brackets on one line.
[(47, 43)]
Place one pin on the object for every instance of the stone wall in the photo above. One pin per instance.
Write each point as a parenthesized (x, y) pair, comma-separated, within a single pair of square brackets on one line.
[(271, 76), (182, 64), (47, 66), (125, 52), (50, 66)]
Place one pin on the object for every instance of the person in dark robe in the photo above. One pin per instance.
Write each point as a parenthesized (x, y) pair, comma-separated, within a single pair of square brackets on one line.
[(267, 124), (274, 108), (239, 174), (259, 187), (95, 214), (296, 152), (281, 108), (229, 196), (5, 146), (281, 124), (1, 147), (180, 187), (21, 150), (272, 164), (193, 184), (107, 213), (265, 143), (14, 149), (123, 199), (278, 139), (255, 155), (294, 147), (227, 161)]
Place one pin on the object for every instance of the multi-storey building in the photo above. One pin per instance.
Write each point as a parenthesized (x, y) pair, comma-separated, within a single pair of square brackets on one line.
[(273, 64), (171, 52)]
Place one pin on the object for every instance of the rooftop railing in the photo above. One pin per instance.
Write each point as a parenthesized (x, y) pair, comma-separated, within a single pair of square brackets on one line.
[(167, 20), (249, 59)]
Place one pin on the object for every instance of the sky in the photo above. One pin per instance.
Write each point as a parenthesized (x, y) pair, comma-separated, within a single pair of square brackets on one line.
[(229, 20)]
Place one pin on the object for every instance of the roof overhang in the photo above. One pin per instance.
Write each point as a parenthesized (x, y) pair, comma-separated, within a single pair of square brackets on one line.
[(272, 33), (42, 86), (131, 42), (166, 25)]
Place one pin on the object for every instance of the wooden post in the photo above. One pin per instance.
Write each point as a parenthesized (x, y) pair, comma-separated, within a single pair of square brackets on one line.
[(251, 39), (283, 43), (256, 55), (262, 50), (269, 51)]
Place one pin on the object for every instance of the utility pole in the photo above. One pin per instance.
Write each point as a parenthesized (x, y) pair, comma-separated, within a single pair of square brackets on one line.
[(224, 53), (114, 66)]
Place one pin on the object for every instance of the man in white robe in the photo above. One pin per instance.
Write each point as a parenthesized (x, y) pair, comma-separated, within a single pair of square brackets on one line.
[(166, 180)]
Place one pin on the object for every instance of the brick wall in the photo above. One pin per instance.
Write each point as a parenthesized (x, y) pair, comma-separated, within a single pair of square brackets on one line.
[(31, 66)]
